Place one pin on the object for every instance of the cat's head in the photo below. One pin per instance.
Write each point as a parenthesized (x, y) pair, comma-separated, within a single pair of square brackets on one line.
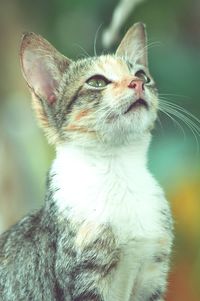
[(109, 99)]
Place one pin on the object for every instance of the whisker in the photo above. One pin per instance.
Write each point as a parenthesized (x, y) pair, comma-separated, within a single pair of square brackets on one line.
[(176, 106), (144, 49), (167, 113), (183, 115), (86, 54), (95, 39), (173, 95)]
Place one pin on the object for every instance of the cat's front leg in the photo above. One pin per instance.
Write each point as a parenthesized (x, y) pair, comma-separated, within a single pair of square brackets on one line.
[(144, 293), (91, 259), (97, 258), (151, 282)]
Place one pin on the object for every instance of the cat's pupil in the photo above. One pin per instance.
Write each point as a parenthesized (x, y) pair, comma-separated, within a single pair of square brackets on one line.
[(99, 82)]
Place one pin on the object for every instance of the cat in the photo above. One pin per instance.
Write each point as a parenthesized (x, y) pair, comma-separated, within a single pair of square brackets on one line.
[(105, 232)]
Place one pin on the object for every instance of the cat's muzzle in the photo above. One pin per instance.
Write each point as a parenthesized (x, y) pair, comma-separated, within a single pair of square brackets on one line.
[(140, 102)]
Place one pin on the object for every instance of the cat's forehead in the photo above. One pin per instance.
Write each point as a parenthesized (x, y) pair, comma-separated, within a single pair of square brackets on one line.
[(110, 66)]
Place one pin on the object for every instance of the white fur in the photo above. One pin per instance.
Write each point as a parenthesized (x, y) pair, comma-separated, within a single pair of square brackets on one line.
[(114, 186)]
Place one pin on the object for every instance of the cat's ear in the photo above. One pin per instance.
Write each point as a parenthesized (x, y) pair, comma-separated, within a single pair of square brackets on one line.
[(42, 66), (134, 45)]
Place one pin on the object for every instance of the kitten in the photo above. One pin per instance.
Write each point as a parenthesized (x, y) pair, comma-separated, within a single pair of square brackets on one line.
[(105, 230)]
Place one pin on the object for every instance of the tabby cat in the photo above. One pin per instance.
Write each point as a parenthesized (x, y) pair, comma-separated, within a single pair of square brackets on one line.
[(105, 230)]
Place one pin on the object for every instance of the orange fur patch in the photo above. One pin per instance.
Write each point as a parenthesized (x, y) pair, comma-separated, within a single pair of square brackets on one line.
[(73, 127), (82, 114), (123, 83), (86, 234)]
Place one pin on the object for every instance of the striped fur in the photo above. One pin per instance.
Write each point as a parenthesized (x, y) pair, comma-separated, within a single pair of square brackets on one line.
[(105, 230)]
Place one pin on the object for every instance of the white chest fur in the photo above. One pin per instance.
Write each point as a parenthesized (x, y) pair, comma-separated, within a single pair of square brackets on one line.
[(109, 188), (116, 188)]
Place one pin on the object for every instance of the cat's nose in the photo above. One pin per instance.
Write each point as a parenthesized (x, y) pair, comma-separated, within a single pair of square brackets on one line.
[(137, 85)]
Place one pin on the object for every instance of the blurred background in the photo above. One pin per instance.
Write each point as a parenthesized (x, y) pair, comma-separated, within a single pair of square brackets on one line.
[(174, 55)]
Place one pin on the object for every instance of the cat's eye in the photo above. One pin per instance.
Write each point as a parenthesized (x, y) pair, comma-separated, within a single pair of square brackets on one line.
[(98, 81), (142, 75)]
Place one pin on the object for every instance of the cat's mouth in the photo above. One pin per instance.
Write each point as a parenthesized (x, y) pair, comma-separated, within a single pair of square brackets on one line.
[(140, 102)]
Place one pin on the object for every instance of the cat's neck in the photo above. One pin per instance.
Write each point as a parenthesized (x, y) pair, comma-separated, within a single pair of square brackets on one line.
[(134, 153), (91, 180)]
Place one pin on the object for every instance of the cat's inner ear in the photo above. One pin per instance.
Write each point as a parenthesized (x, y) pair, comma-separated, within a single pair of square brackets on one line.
[(43, 66), (133, 46)]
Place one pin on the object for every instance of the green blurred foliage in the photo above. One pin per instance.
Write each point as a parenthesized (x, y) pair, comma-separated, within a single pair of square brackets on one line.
[(174, 54)]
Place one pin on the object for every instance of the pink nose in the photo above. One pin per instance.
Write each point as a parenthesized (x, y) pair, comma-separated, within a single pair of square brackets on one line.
[(137, 85)]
